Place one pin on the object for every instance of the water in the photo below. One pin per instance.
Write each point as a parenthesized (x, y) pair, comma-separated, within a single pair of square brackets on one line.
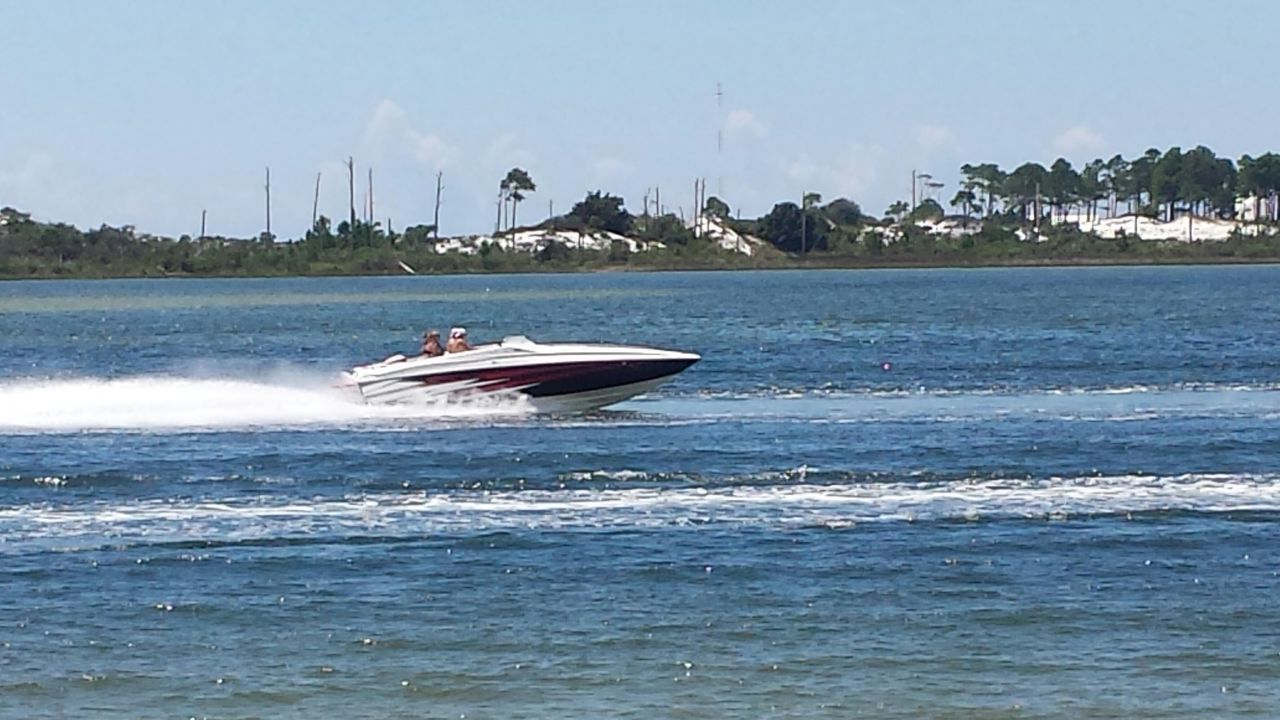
[(1058, 499)]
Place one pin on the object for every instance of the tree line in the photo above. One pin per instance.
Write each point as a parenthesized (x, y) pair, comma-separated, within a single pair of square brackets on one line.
[(1155, 184)]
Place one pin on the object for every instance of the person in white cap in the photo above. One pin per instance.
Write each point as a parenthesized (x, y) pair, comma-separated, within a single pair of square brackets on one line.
[(457, 340)]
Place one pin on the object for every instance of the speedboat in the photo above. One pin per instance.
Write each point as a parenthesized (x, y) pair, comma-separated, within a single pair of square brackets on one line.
[(551, 377)]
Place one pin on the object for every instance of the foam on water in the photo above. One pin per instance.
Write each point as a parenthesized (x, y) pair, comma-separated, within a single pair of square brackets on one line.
[(781, 506), (835, 390), (1099, 404), (292, 398), (158, 402)]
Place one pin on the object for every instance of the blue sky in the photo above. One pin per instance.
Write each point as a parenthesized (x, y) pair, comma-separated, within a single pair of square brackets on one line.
[(147, 112)]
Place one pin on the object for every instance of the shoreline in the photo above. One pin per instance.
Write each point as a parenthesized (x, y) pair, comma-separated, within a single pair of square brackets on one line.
[(818, 264)]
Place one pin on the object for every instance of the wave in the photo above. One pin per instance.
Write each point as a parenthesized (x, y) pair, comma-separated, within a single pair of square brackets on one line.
[(162, 402), (1104, 404), (885, 392), (799, 505)]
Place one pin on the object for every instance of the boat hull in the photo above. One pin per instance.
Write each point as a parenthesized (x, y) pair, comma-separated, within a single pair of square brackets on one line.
[(589, 400), (553, 378)]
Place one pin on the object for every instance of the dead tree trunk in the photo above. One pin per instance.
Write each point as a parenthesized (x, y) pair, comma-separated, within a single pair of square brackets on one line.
[(351, 190), (315, 204), (435, 218), (268, 187)]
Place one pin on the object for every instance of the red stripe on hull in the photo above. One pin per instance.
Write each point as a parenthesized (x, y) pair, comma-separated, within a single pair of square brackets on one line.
[(561, 378)]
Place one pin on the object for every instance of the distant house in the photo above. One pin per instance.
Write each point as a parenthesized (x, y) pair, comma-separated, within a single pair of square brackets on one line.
[(532, 241), (952, 225), (1252, 209), (11, 215)]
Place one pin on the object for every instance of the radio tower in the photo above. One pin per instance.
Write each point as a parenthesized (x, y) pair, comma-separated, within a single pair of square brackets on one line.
[(719, 142)]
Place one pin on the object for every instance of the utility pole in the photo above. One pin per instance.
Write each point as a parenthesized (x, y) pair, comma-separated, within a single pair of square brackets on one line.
[(804, 211), (497, 223), (203, 213), (697, 212), (435, 219), (268, 186), (702, 209), (351, 190), (371, 215), (719, 108), (913, 190), (738, 236), (702, 202), (1037, 208), (315, 204)]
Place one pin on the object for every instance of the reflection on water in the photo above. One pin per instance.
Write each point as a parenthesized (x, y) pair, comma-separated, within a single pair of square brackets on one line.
[(188, 301)]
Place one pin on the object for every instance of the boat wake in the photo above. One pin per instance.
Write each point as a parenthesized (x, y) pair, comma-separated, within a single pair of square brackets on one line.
[(837, 390), (163, 402), (800, 505), (291, 398)]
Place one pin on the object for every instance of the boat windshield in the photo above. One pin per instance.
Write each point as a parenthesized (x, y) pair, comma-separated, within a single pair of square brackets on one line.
[(518, 342)]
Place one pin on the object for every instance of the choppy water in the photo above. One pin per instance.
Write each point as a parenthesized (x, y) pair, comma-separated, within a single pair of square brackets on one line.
[(1058, 499)]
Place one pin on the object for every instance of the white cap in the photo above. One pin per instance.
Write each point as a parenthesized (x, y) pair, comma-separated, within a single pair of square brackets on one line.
[(458, 332)]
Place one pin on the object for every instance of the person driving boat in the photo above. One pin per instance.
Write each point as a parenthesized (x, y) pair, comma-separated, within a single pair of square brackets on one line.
[(431, 344), (457, 340)]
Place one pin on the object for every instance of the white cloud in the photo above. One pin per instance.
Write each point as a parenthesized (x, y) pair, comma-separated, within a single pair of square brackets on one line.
[(1078, 140), (506, 151), (36, 174), (43, 186), (389, 132), (850, 173), (51, 190), (609, 169), (930, 138), (743, 123)]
